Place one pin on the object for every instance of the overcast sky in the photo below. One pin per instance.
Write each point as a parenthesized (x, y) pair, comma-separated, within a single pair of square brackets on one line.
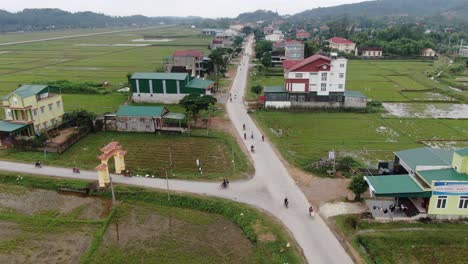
[(204, 8)]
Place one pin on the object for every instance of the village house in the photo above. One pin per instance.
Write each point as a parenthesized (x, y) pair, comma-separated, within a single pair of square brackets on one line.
[(269, 30), (157, 87), (371, 52), (211, 31), (428, 182), (428, 52), (276, 36), (315, 82), (191, 61), (463, 51), (342, 44), (30, 110), (148, 119), (302, 34), (287, 50)]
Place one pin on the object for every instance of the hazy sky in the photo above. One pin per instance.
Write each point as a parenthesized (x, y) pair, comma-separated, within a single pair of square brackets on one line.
[(204, 8)]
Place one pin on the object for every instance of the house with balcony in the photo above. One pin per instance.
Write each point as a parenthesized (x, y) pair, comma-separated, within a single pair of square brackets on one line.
[(370, 52), (315, 82), (160, 87), (425, 182), (342, 44), (30, 110), (190, 61)]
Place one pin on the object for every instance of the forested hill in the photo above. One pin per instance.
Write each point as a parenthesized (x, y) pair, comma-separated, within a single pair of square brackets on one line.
[(43, 19), (379, 8), (259, 15)]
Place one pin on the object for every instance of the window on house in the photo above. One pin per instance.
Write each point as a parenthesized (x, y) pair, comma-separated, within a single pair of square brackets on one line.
[(340, 86), (53, 122), (42, 109), (301, 98), (15, 101), (45, 124), (441, 202), (58, 104), (313, 73), (293, 98), (463, 203), (9, 113), (298, 75), (323, 87), (50, 107), (341, 75), (324, 76), (35, 112), (342, 65)]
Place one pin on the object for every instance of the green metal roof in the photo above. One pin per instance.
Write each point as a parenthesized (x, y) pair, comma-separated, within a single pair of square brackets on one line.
[(395, 185), (26, 90), (442, 175), (200, 83), (159, 76), (148, 111), (425, 157), (6, 126), (177, 116), (274, 89), (462, 152), (355, 94)]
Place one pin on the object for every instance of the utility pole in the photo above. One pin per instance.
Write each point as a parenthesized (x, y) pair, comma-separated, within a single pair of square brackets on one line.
[(112, 191), (170, 161), (167, 187), (233, 161)]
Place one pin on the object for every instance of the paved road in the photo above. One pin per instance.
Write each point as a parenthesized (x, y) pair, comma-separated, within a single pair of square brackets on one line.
[(271, 184), (80, 35)]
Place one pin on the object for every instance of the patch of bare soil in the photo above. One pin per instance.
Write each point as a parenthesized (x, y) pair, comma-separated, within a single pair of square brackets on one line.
[(38, 201), (8, 230), (164, 234), (63, 135), (46, 249), (262, 235)]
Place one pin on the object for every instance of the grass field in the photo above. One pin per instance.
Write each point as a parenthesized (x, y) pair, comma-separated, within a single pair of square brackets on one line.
[(40, 225), (149, 154), (306, 137), (398, 242), (97, 58)]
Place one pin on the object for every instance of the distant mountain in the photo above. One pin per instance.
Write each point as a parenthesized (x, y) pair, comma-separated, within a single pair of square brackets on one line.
[(390, 8), (45, 19), (259, 15)]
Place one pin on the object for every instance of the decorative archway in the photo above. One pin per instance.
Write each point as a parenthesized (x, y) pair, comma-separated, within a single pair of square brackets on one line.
[(112, 149)]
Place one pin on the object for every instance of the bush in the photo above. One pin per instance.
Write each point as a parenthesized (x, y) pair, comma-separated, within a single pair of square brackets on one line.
[(68, 87), (257, 89)]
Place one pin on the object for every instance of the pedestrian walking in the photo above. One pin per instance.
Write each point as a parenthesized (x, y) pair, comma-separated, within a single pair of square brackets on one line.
[(243, 126), (245, 136), (263, 138), (251, 136), (311, 211), (286, 202)]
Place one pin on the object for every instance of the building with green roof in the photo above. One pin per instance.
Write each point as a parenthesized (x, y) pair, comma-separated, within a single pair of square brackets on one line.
[(31, 109), (435, 181), (159, 87), (144, 119)]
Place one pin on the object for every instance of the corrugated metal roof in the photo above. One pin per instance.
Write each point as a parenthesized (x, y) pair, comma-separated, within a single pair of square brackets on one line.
[(177, 116), (159, 76), (200, 83), (26, 90), (462, 152), (274, 89), (355, 94), (442, 175), (143, 111), (11, 127), (392, 184), (425, 157)]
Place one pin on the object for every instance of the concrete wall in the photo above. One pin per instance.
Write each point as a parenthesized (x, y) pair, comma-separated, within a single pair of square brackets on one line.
[(283, 104), (157, 98), (135, 124), (355, 102)]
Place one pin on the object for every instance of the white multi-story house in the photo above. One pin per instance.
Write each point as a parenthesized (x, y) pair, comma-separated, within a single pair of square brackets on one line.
[(276, 36), (463, 51), (317, 81), (342, 44)]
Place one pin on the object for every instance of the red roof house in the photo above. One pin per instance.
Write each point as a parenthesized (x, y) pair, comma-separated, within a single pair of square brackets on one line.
[(340, 40), (313, 63), (302, 34)]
